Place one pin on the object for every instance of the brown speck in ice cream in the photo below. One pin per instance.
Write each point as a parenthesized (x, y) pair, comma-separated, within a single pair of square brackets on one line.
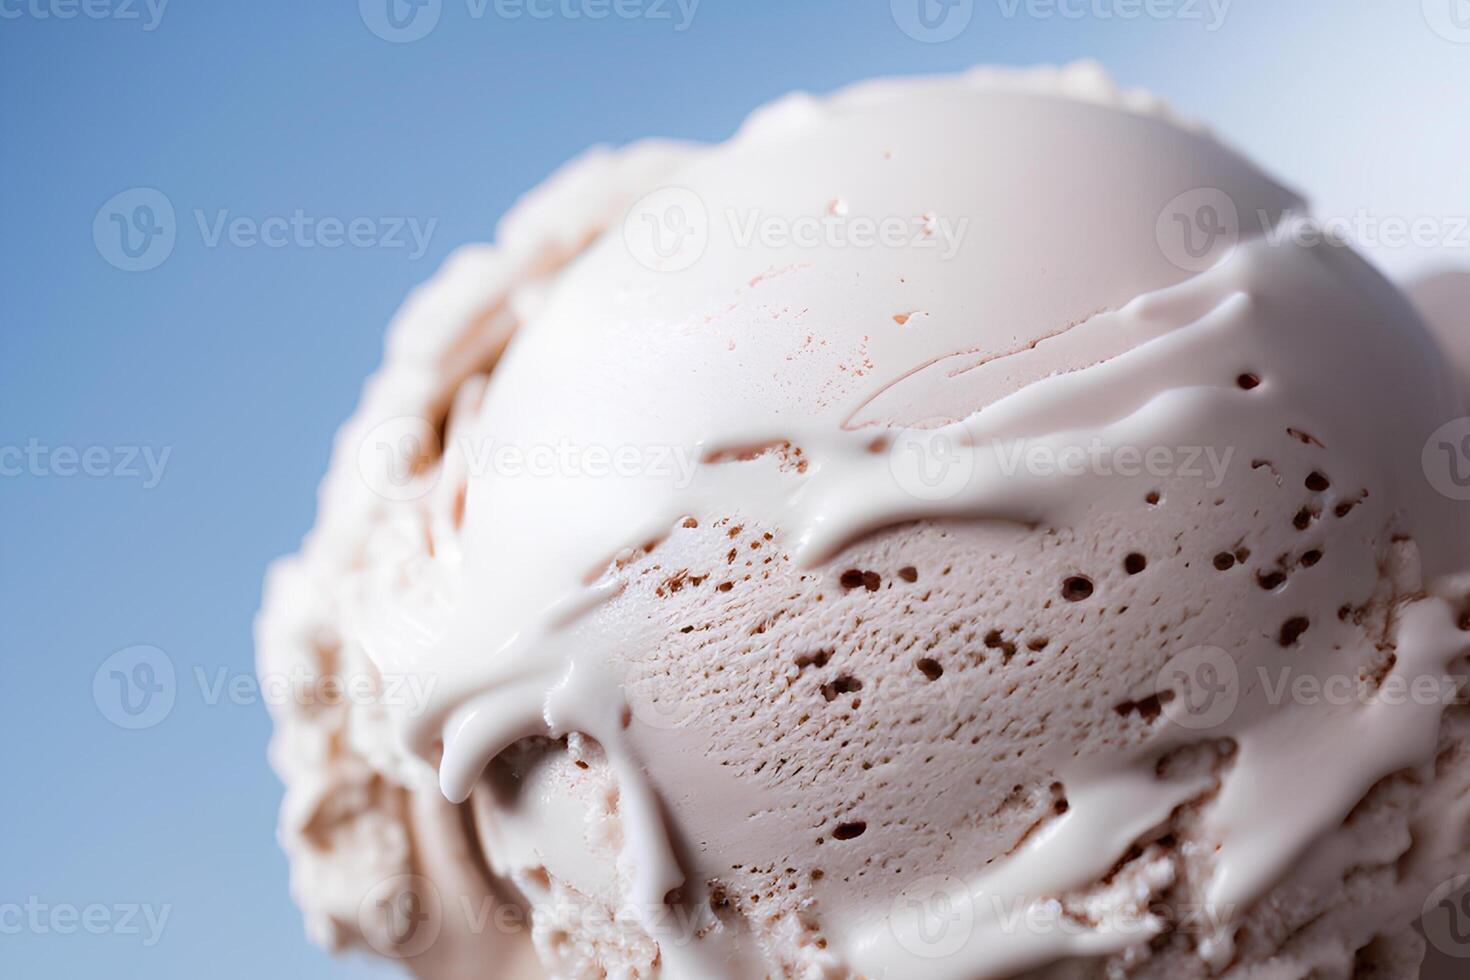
[(1292, 630)]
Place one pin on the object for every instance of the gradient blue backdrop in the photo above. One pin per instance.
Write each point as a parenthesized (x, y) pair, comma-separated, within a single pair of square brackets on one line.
[(242, 361)]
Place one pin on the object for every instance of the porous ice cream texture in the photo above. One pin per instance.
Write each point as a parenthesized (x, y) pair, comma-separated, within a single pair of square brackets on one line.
[(944, 606)]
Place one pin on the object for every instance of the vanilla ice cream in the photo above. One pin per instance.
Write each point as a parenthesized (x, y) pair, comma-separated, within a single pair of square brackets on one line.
[(955, 529)]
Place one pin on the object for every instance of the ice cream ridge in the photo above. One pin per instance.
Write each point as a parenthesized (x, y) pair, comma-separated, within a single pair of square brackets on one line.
[(953, 529)]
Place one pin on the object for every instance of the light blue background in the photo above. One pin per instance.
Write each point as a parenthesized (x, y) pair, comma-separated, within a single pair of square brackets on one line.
[(244, 360)]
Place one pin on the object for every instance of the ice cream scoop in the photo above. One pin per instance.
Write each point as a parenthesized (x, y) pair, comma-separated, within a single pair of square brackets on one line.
[(951, 529)]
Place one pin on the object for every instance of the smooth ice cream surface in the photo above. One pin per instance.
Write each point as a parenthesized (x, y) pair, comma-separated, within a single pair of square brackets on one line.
[(945, 606)]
